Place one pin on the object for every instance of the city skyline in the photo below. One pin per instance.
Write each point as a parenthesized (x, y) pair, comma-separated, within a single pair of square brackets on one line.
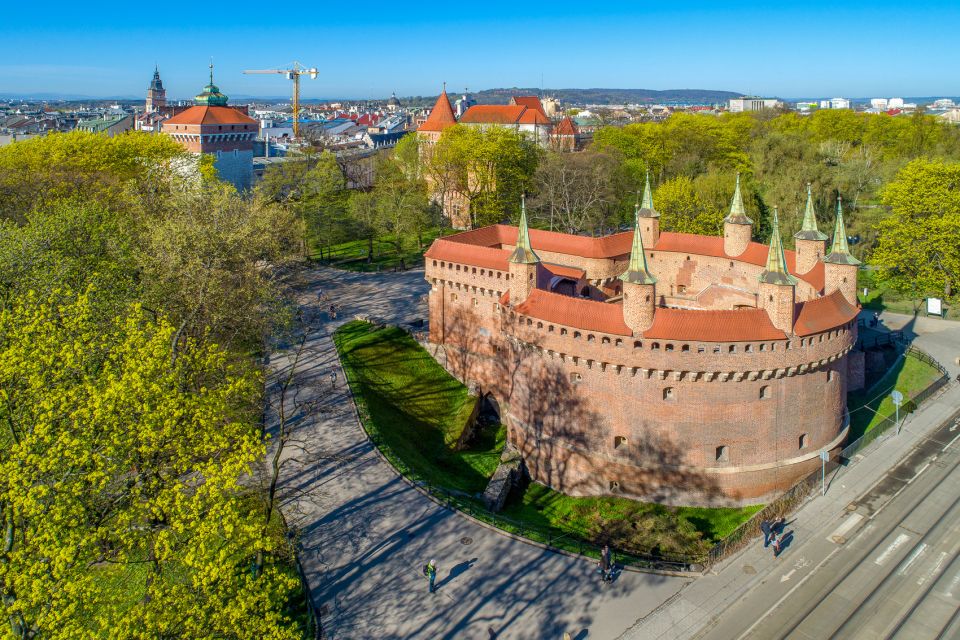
[(813, 50)]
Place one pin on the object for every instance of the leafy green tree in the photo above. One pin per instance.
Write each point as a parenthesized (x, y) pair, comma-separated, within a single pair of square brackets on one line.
[(120, 482)]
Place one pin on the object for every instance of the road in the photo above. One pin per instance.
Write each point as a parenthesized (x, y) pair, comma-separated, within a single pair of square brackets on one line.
[(890, 569)]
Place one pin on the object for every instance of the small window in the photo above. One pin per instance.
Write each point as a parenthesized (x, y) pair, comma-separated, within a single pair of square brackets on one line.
[(434, 263), (732, 348), (637, 344), (723, 454), (764, 392), (685, 347), (474, 270), (831, 375), (576, 334), (716, 349), (563, 332), (453, 297), (803, 441), (763, 347), (731, 264), (475, 303), (591, 338), (688, 257), (605, 340), (655, 346), (614, 486), (748, 348), (668, 347), (575, 377), (682, 288), (539, 325), (619, 441), (668, 393), (618, 342)]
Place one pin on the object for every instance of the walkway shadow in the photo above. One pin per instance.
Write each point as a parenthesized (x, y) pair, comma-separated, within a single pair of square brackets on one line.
[(456, 571)]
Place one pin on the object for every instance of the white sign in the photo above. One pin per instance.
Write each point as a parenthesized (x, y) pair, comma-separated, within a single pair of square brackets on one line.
[(897, 397), (825, 456), (934, 306)]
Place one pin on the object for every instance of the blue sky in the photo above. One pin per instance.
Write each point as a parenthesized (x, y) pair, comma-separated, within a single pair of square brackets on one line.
[(813, 48)]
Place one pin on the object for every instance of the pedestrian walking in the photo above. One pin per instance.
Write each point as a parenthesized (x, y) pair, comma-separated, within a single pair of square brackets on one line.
[(604, 565), (430, 570), (775, 539), (333, 379), (766, 527)]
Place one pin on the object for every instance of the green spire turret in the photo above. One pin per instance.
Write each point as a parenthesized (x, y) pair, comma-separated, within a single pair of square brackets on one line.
[(776, 269), (211, 95), (523, 254), (809, 230), (737, 215), (637, 272), (840, 251), (646, 210)]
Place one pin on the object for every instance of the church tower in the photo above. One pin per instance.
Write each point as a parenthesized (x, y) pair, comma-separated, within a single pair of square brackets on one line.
[(523, 262), (648, 218), (639, 285), (737, 227), (777, 293), (811, 243), (156, 95), (840, 267)]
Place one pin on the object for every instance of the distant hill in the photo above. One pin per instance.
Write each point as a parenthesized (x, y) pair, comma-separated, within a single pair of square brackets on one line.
[(592, 96)]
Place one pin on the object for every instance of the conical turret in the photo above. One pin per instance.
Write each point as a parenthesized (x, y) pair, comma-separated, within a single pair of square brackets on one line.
[(738, 214), (840, 250), (808, 230), (646, 209), (776, 269), (523, 254), (737, 227), (637, 272)]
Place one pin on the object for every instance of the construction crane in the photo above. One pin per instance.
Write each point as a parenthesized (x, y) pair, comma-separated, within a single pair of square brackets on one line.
[(294, 74)]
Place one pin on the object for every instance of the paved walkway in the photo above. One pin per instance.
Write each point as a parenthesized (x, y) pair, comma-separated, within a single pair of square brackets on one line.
[(939, 338), (366, 533)]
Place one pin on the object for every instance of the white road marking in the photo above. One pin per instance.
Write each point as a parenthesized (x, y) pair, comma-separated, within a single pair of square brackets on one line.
[(787, 575), (953, 585), (919, 551), (917, 474), (840, 533), (934, 569), (889, 551), (950, 444)]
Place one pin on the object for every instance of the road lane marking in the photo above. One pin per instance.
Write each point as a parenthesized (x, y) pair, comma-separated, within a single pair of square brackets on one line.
[(950, 444), (891, 549), (917, 474), (839, 536), (919, 551), (787, 575), (935, 569), (954, 584)]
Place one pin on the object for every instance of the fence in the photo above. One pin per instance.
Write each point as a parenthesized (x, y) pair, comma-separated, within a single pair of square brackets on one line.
[(798, 493)]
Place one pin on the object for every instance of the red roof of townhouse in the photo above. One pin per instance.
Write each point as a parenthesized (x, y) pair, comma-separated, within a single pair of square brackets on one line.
[(441, 116), (579, 313), (712, 325), (566, 128), (530, 102), (532, 116), (563, 271), (203, 114), (493, 114)]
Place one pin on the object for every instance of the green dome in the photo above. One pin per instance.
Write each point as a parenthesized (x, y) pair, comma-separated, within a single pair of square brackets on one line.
[(211, 95)]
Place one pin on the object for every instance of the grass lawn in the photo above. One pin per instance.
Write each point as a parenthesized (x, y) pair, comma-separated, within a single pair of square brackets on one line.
[(352, 255), (871, 408), (413, 410), (881, 298)]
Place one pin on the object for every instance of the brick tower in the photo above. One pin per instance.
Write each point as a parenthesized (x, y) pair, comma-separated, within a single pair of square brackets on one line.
[(523, 262), (737, 227), (840, 268), (777, 291), (639, 285), (648, 218), (156, 94), (811, 243)]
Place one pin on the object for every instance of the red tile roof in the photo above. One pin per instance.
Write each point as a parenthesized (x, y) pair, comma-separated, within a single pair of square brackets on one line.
[(824, 314), (493, 114), (496, 235), (566, 128), (738, 325), (487, 257), (564, 272), (530, 102), (579, 313), (531, 116), (202, 114), (441, 116)]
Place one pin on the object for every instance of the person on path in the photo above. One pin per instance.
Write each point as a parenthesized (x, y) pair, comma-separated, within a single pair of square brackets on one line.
[(775, 539), (766, 527), (605, 573), (430, 570), (333, 379)]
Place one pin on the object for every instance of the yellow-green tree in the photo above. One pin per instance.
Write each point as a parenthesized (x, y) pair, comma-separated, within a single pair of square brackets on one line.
[(120, 482)]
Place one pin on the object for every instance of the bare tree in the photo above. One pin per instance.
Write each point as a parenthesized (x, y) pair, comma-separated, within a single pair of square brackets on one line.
[(575, 191)]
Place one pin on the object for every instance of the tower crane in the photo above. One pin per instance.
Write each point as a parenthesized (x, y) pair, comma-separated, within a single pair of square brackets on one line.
[(293, 73)]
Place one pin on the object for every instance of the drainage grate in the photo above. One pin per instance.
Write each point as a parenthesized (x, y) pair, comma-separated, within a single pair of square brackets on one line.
[(465, 540)]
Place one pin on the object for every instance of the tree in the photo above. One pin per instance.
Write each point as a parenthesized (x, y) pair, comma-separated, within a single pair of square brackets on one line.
[(575, 191), (120, 482), (401, 202)]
